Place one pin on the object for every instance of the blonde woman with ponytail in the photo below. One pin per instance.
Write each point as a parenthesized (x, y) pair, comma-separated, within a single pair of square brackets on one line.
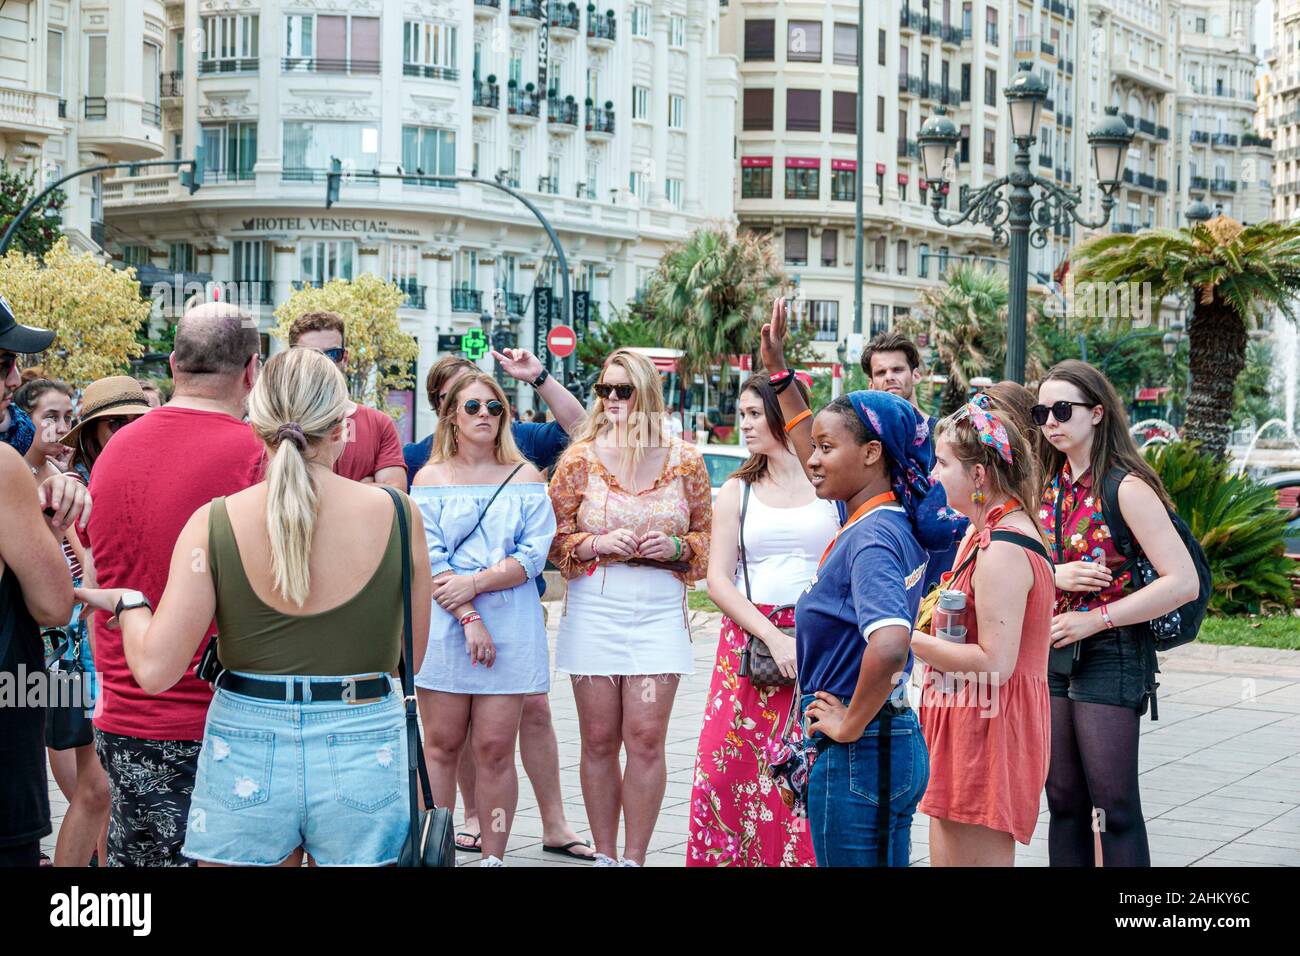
[(633, 509), (303, 750)]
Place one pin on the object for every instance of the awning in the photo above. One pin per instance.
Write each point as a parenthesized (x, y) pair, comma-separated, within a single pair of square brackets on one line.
[(880, 169), (664, 364), (1151, 394), (802, 162), (844, 164), (752, 162), (902, 179)]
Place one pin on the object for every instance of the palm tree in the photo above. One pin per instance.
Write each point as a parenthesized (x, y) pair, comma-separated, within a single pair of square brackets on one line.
[(710, 295), (1236, 273), (965, 319)]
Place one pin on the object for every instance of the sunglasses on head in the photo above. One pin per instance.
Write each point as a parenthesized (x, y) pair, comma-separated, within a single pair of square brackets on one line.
[(624, 391), (1060, 410), (335, 355), (473, 405)]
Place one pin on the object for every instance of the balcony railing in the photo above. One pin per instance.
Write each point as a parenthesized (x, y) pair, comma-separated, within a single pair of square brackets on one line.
[(414, 294), (1146, 126), (172, 84), (250, 291), (600, 120), (311, 64), (151, 114), (242, 174), (494, 4), (63, 109), (523, 103), (1162, 133), (563, 111), (1224, 139), (466, 300), (601, 28), (531, 9), (1146, 181), (908, 148), (1046, 47), (229, 64), (910, 19), (1045, 160), (1023, 45), (1198, 182), (514, 303), (429, 72), (318, 174), (952, 34), (1125, 227), (1253, 139), (487, 95), (96, 107), (1200, 136), (1223, 186), (564, 18), (949, 96), (1162, 185)]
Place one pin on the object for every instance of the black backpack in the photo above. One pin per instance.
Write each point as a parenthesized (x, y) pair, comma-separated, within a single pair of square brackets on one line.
[(1181, 625)]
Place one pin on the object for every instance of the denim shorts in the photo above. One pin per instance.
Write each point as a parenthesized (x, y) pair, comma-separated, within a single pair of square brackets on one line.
[(327, 776), (843, 794), (1116, 668)]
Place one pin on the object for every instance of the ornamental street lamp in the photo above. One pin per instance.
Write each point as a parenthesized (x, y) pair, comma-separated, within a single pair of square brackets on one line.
[(1197, 213), (1010, 214)]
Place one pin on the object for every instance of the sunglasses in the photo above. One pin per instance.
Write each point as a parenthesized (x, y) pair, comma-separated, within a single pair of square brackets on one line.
[(473, 406), (1060, 410), (624, 391), (335, 355)]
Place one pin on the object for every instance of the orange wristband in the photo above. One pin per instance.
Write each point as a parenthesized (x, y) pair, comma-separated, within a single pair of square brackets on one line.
[(790, 425)]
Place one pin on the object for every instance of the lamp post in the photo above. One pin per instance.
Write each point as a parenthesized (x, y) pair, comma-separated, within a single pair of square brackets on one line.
[(1197, 213), (1008, 205)]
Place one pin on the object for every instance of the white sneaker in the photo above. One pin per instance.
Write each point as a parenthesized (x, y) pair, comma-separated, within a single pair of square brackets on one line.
[(626, 862), (603, 860), (492, 861)]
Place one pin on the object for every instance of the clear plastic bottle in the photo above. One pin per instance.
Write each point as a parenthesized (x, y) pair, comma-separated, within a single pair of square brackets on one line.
[(950, 624)]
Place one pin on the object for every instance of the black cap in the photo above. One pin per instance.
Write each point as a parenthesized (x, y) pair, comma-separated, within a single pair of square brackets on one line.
[(21, 338)]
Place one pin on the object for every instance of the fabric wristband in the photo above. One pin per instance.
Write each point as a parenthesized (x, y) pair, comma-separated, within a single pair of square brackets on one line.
[(1105, 616), (790, 425)]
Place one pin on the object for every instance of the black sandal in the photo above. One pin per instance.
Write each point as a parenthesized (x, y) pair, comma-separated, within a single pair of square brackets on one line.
[(475, 847), (567, 850)]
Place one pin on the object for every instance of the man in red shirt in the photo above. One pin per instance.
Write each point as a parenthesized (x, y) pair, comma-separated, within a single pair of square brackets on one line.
[(156, 472), (374, 452)]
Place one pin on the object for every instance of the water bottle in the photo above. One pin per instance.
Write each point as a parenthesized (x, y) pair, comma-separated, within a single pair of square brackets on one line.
[(949, 624)]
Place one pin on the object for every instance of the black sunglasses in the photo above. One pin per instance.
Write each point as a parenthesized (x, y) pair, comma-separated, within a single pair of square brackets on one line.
[(335, 355), (473, 405), (623, 391), (1061, 410)]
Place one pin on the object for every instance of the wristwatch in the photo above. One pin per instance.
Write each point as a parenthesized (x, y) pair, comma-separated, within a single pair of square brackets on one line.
[(537, 382), (129, 601)]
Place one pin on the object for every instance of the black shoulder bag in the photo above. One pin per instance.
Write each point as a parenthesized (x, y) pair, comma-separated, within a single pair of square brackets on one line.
[(429, 842), (756, 662)]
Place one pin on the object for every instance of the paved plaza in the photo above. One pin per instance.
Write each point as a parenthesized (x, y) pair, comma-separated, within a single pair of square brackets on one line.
[(1220, 769)]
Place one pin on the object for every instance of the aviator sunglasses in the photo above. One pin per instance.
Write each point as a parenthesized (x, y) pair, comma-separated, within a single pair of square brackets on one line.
[(623, 391), (494, 408), (1061, 410)]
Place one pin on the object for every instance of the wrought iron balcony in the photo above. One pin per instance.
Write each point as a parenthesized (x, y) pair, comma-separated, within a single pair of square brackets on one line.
[(429, 72), (600, 120), (172, 84), (96, 107), (564, 111), (1224, 139), (908, 148), (523, 103), (229, 64), (414, 294), (466, 300), (1200, 136), (250, 291), (312, 64), (532, 9), (564, 17), (1223, 186), (601, 28), (151, 115), (487, 95)]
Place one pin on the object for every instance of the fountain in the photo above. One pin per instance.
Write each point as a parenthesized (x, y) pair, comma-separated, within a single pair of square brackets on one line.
[(1272, 458), (1153, 431)]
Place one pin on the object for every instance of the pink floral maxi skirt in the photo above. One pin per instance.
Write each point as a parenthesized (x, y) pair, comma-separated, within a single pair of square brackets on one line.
[(737, 815)]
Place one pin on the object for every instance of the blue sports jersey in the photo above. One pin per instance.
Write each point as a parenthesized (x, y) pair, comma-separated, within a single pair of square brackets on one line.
[(540, 442), (872, 578)]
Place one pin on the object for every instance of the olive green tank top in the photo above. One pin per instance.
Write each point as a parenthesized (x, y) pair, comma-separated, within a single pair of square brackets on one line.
[(363, 635)]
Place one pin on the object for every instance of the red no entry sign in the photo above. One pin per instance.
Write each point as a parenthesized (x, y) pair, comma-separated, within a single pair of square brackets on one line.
[(562, 340)]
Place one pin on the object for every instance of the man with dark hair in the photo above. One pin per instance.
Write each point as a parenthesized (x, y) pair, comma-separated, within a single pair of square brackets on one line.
[(373, 452), (154, 474), (893, 364), (541, 442)]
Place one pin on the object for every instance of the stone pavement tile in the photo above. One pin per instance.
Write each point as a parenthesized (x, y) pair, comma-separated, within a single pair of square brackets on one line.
[(1217, 808), (1283, 800), (1219, 861), (1287, 821), (1225, 691), (1253, 853), (1269, 836), (1222, 831)]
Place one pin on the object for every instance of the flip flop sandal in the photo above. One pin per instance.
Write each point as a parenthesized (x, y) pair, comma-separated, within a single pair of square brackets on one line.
[(567, 850), (475, 847)]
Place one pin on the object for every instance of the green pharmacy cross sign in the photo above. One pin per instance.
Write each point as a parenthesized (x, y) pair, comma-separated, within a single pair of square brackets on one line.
[(474, 344)]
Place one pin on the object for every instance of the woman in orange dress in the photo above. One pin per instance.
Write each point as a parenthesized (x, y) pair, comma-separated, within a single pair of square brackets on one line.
[(985, 711)]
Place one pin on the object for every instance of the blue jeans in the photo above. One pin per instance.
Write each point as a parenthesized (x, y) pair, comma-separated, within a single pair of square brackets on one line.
[(843, 804)]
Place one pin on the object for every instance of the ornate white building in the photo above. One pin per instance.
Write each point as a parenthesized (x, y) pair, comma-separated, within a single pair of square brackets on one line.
[(608, 118)]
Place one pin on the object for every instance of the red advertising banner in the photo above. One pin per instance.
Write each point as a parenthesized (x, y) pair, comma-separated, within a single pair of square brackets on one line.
[(844, 164), (802, 162), (749, 162)]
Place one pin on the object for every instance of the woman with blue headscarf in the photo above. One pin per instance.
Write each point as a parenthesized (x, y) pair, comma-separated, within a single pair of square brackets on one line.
[(853, 624)]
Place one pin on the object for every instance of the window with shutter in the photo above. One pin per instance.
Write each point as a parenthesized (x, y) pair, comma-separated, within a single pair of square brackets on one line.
[(846, 44), (803, 110), (758, 109), (760, 39), (845, 112), (796, 247), (804, 41), (830, 246)]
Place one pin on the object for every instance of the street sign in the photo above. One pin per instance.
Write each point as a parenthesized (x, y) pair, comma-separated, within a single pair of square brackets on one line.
[(542, 304), (582, 309), (448, 343), (562, 340), (474, 344)]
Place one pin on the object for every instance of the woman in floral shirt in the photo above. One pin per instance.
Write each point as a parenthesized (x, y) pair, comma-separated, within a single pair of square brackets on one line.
[(633, 508), (1101, 672)]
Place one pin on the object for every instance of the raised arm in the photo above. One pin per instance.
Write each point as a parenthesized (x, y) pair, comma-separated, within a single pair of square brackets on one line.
[(28, 546), (523, 366), (772, 352)]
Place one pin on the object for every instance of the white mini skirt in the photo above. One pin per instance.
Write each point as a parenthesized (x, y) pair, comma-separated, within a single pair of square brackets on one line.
[(624, 620)]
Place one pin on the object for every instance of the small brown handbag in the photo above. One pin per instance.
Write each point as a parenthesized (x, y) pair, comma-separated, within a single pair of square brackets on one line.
[(756, 661)]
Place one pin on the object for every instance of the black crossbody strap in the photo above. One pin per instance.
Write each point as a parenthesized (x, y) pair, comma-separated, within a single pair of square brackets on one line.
[(483, 513), (1011, 537), (1060, 493), (406, 667), (744, 563)]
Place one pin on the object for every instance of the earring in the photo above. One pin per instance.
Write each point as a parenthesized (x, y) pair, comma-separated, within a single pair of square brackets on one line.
[(978, 497)]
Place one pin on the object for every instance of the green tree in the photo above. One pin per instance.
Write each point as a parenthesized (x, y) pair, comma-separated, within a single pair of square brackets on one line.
[(1254, 396), (41, 229), (626, 328), (1235, 273), (710, 296), (379, 352)]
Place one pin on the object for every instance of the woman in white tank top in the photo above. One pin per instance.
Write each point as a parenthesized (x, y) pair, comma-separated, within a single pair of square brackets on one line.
[(737, 815)]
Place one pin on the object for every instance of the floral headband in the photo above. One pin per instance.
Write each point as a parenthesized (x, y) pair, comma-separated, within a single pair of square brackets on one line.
[(988, 427)]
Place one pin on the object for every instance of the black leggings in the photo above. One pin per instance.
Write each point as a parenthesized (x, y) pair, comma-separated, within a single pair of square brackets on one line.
[(1094, 764)]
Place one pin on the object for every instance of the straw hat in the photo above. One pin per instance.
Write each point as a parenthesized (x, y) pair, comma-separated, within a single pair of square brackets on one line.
[(108, 398)]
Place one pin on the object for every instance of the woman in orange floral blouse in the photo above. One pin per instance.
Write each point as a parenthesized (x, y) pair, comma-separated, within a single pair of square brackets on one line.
[(633, 508)]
